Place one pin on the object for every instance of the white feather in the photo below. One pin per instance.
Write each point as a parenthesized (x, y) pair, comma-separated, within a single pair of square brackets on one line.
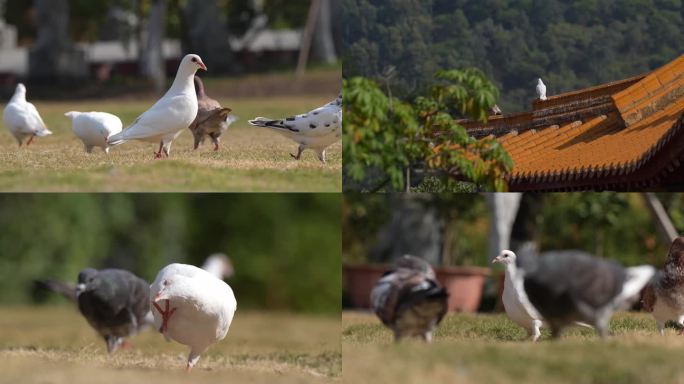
[(94, 128), (21, 118), (205, 307)]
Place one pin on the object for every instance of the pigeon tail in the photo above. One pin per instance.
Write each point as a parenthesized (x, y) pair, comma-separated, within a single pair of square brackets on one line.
[(65, 289), (72, 114), (268, 123), (116, 139), (637, 278)]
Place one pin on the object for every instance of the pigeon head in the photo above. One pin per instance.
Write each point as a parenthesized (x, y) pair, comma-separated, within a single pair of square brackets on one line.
[(21, 88), (85, 278), (167, 288), (505, 257), (193, 62)]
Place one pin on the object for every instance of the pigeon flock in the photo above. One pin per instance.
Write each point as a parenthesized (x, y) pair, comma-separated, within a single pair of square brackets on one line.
[(184, 106), (192, 306), (553, 289)]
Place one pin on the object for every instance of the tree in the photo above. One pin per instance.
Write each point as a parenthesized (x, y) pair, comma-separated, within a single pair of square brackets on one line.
[(53, 56), (323, 43), (208, 35), (384, 133), (151, 57)]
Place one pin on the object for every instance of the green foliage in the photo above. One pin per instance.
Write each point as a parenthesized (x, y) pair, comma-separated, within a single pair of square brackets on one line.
[(87, 16), (382, 132), (285, 248), (570, 44)]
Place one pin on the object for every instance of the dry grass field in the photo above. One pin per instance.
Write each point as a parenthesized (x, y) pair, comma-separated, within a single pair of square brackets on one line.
[(492, 349), (54, 345), (251, 159)]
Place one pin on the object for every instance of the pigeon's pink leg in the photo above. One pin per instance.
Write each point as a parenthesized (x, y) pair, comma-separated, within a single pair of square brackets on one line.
[(166, 315), (30, 140), (216, 147), (158, 155), (681, 331), (299, 153)]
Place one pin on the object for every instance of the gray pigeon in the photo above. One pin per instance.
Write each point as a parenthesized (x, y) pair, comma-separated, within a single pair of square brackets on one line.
[(212, 119), (115, 303), (570, 286), (664, 296), (409, 300)]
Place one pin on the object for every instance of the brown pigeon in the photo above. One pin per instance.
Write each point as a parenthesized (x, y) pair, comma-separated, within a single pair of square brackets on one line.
[(212, 120), (409, 300), (664, 296)]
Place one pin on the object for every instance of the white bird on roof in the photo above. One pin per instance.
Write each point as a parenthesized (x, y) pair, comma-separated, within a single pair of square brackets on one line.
[(22, 118), (171, 114), (541, 89), (94, 128), (316, 130), (192, 307)]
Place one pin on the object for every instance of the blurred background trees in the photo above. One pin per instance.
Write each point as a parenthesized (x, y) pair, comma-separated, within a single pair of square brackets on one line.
[(232, 36), (391, 145), (614, 225), (570, 44), (285, 247)]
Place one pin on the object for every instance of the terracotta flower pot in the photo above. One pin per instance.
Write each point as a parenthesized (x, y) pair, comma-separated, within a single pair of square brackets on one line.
[(465, 284), (358, 281)]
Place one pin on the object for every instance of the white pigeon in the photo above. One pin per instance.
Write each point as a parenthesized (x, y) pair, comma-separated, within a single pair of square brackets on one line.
[(515, 301), (541, 89), (171, 114), (22, 118), (316, 130), (219, 265), (94, 128), (192, 307)]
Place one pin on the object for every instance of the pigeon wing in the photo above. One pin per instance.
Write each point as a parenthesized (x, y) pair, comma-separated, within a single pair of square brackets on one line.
[(162, 119), (35, 120)]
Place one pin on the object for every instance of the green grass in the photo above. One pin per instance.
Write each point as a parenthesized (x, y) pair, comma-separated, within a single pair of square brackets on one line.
[(492, 349), (55, 345), (251, 159)]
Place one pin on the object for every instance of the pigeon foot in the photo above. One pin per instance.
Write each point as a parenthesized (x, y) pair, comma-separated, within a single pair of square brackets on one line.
[(216, 147), (681, 331), (30, 140), (166, 315)]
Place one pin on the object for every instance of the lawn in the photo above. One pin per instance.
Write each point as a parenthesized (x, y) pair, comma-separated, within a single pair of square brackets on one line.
[(54, 344), (251, 159), (492, 349)]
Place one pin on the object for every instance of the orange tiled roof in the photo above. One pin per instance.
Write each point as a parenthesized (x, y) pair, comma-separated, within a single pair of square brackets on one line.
[(624, 135)]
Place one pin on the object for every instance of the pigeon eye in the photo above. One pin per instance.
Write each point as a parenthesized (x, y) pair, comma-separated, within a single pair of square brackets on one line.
[(194, 60)]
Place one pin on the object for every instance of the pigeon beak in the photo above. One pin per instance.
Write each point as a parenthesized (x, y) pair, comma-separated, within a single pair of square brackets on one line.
[(80, 288), (201, 65), (496, 259)]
